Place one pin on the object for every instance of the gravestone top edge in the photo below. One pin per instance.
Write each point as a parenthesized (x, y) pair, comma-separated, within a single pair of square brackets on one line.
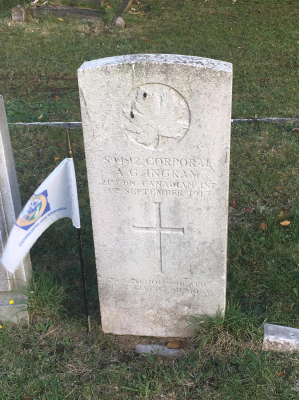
[(191, 61)]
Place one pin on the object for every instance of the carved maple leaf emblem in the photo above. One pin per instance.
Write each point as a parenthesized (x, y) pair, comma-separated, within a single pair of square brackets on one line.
[(156, 115)]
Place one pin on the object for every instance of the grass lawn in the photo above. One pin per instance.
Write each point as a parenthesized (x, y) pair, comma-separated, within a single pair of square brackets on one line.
[(54, 358)]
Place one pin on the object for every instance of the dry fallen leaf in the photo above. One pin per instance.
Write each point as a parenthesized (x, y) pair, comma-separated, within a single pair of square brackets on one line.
[(285, 223), (278, 188), (281, 373), (59, 144), (146, 40), (263, 226), (281, 214), (235, 204), (57, 97), (56, 158), (41, 116), (175, 344), (60, 19)]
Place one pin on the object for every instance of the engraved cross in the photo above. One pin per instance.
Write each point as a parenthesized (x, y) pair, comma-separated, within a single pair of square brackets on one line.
[(158, 229)]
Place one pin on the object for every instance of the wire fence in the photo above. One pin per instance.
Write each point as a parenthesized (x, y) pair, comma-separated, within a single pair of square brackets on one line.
[(73, 125)]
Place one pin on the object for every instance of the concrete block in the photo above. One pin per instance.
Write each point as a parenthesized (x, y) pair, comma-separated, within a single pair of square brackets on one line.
[(281, 338), (159, 350)]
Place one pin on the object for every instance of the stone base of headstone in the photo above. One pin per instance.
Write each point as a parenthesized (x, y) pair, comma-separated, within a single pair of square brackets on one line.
[(86, 14), (19, 14), (14, 313), (281, 338)]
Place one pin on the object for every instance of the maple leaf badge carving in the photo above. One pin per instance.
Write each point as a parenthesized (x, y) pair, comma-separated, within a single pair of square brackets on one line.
[(156, 116)]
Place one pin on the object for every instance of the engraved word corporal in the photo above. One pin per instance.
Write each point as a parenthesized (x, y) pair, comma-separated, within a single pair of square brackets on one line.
[(158, 229)]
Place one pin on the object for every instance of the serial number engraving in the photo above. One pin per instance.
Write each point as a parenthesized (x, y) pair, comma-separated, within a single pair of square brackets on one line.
[(159, 162)]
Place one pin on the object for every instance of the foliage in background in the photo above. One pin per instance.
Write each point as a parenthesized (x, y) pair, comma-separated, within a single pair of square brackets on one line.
[(46, 296), (39, 60), (7, 5)]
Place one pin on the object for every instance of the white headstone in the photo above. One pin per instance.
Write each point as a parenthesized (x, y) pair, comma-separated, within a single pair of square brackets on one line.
[(11, 286), (157, 142)]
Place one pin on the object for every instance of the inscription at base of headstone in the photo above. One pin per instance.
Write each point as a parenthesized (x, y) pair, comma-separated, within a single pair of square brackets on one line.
[(12, 287), (157, 142)]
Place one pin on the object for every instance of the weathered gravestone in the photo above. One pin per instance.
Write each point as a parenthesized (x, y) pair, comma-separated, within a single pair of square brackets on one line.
[(157, 141), (11, 286), (19, 14)]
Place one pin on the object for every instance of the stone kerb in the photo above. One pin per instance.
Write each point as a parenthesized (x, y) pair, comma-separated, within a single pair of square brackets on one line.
[(157, 142)]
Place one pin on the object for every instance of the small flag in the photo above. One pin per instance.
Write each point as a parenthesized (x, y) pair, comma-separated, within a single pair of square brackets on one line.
[(55, 198)]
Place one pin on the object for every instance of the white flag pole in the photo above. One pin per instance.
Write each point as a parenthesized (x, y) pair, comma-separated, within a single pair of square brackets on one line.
[(70, 154)]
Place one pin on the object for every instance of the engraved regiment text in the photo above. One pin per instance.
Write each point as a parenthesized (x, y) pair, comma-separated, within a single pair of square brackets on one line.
[(156, 176)]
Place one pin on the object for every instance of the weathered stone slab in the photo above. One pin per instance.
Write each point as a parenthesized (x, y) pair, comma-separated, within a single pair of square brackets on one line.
[(87, 14), (11, 287), (159, 350), (157, 141), (281, 338)]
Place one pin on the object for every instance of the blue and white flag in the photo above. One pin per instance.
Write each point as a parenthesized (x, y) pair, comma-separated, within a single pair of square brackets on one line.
[(55, 198)]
